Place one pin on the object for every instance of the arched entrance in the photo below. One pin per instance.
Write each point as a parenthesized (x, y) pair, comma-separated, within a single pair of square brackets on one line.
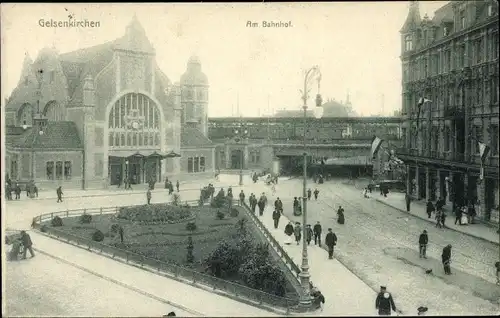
[(134, 140), (236, 159)]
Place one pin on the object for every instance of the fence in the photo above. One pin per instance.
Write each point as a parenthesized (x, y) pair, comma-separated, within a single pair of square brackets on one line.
[(171, 270), (281, 252)]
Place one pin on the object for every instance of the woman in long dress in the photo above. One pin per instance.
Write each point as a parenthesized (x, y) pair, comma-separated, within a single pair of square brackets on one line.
[(288, 232)]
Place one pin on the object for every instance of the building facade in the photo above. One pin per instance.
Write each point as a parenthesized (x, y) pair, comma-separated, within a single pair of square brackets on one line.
[(452, 60), (97, 116)]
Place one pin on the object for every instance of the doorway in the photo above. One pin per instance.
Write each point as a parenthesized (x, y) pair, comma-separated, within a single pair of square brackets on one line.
[(237, 159)]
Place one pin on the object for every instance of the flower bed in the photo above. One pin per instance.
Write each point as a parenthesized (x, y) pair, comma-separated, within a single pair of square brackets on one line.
[(155, 213)]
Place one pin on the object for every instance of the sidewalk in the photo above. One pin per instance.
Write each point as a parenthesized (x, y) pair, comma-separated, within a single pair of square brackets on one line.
[(345, 294), (139, 188), (189, 298), (418, 209)]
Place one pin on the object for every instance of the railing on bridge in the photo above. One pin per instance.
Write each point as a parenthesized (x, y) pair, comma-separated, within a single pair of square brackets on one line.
[(168, 269)]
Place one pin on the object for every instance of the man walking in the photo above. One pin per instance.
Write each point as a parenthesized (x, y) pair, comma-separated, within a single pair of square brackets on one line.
[(177, 185), (148, 196), (430, 208), (384, 302), (27, 244), (458, 216), (316, 192), (242, 197), (59, 194), (309, 234), (422, 242), (330, 241), (297, 231), (309, 192), (446, 259), (276, 217), (408, 202), (317, 234)]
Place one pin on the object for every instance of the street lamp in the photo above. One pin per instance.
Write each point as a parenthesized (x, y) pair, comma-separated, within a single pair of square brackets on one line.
[(243, 133), (311, 74)]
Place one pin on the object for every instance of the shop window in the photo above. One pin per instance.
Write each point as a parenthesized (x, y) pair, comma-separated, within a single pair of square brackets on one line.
[(202, 164), (50, 170), (67, 170), (59, 170)]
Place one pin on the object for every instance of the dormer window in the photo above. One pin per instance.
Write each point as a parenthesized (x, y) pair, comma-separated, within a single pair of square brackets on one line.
[(408, 43), (490, 10)]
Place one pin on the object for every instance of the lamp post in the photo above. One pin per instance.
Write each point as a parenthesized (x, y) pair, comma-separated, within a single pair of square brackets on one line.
[(126, 179), (311, 74), (243, 133)]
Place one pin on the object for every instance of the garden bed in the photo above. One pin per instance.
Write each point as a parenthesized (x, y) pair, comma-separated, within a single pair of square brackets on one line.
[(168, 241)]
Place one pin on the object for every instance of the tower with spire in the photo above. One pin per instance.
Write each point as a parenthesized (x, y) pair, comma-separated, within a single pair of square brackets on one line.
[(409, 31)]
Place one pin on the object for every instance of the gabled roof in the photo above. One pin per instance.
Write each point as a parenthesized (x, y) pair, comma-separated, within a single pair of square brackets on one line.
[(443, 14), (413, 19), (192, 137), (56, 135)]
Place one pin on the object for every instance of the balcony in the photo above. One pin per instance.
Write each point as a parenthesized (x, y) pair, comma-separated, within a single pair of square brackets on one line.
[(453, 112)]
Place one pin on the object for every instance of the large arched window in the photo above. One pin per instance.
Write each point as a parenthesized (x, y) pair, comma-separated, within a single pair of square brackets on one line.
[(54, 111), (24, 115), (134, 121)]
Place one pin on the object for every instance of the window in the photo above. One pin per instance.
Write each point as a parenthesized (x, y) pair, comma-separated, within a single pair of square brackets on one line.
[(190, 165), (50, 170), (200, 95), (26, 82), (494, 139), (490, 10), (408, 43), (494, 89), (478, 51), (51, 76), (196, 164), (447, 61), (446, 139), (477, 136), (222, 160), (67, 170), (462, 20), (446, 31), (202, 164), (189, 93), (13, 169), (59, 170), (426, 68)]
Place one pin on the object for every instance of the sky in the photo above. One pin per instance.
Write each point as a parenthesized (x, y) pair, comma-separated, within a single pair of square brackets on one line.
[(255, 70)]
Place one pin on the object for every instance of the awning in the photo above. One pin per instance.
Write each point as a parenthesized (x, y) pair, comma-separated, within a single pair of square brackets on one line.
[(143, 154)]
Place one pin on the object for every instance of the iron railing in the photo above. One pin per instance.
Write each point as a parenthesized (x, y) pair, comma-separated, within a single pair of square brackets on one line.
[(168, 269)]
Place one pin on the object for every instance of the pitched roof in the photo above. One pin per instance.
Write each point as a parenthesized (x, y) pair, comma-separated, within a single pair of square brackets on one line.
[(192, 137), (443, 14), (57, 135)]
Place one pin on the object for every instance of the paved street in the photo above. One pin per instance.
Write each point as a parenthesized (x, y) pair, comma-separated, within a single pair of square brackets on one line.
[(379, 244)]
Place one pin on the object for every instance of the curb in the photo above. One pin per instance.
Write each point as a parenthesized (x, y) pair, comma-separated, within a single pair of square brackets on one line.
[(425, 219), (127, 286)]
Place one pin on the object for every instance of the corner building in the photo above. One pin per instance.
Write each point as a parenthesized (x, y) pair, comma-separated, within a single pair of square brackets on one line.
[(452, 60), (90, 118)]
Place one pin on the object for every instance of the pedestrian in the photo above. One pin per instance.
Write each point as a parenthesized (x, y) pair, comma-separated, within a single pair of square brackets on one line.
[(289, 231), (295, 205), (309, 192), (316, 192), (497, 267), (440, 204), (59, 194), (148, 196), (276, 217), (120, 231), (458, 216), (18, 191), (297, 231), (254, 203), (242, 197), (273, 189), (438, 218), (177, 185), (27, 244), (319, 300), (309, 234), (430, 208), (446, 259), (317, 234), (330, 241), (340, 215), (129, 184), (384, 302), (423, 240), (408, 202), (262, 206), (166, 183), (471, 213)]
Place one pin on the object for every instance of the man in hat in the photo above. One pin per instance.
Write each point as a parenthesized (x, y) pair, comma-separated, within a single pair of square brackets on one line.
[(384, 302), (422, 242), (330, 241), (446, 259), (317, 234), (27, 244)]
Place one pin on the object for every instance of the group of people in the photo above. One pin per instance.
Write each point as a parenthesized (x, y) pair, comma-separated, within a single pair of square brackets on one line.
[(253, 202), (31, 190), (296, 231), (170, 186), (423, 240)]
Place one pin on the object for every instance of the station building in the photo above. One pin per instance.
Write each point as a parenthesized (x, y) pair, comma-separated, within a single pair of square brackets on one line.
[(92, 117)]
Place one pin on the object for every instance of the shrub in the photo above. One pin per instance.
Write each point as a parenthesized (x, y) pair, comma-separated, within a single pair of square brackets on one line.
[(56, 221), (224, 261), (98, 236), (220, 215), (85, 218), (154, 213), (114, 228), (234, 212), (176, 199), (191, 226), (190, 256)]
